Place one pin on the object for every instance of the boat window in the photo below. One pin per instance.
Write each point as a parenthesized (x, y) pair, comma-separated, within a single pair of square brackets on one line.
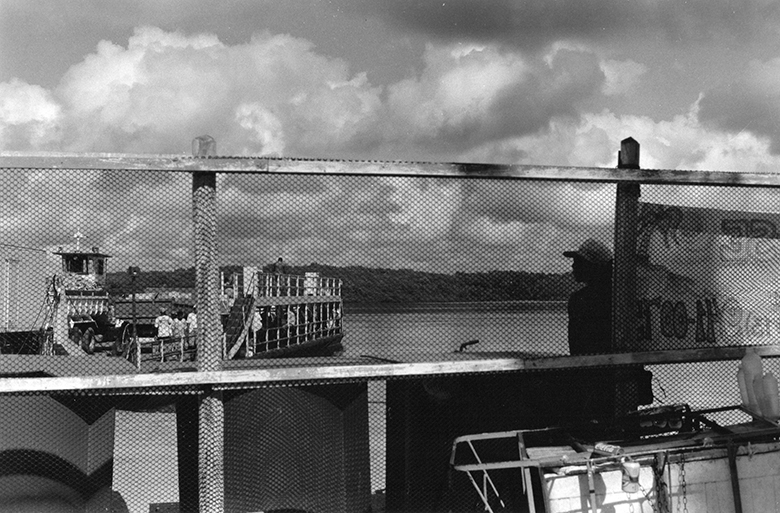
[(76, 264), (99, 266)]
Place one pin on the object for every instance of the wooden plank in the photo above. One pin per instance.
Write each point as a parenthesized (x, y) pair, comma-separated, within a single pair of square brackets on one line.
[(266, 165)]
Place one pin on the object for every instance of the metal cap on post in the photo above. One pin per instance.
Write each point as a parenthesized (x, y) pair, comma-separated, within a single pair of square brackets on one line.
[(204, 146), (628, 156)]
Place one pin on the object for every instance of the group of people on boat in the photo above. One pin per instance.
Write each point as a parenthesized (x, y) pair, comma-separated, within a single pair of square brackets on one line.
[(176, 327)]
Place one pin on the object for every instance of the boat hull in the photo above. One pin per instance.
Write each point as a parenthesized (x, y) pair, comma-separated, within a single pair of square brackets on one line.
[(325, 346)]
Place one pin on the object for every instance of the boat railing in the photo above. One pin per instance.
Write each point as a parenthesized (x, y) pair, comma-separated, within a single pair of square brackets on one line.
[(296, 324), (311, 284), (163, 349), (481, 457)]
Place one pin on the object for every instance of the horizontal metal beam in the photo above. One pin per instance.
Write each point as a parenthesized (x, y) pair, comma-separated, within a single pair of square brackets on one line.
[(281, 165), (290, 373), (254, 376)]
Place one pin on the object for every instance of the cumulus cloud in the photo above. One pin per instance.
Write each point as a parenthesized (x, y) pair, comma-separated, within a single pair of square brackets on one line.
[(466, 97), (271, 95), (276, 95), (29, 116)]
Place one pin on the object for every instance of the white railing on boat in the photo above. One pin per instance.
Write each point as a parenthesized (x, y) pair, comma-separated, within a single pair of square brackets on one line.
[(311, 284), (163, 349), (295, 310), (300, 323)]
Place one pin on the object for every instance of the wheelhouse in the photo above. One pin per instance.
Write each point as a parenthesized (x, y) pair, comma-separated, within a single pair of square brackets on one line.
[(85, 263)]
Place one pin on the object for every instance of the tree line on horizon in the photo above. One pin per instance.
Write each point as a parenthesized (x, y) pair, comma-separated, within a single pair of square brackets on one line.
[(377, 285)]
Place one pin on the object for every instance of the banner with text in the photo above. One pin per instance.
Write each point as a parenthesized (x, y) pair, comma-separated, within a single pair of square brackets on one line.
[(707, 277)]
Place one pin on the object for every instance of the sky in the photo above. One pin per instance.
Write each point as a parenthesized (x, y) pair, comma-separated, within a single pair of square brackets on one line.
[(696, 83)]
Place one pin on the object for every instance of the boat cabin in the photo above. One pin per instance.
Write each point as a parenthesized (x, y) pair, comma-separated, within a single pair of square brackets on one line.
[(85, 263)]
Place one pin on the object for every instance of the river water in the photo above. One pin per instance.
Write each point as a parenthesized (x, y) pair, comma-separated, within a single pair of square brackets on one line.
[(404, 330)]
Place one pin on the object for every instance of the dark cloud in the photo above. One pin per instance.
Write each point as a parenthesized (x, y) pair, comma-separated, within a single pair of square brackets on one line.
[(535, 23), (555, 91), (749, 104), (564, 205)]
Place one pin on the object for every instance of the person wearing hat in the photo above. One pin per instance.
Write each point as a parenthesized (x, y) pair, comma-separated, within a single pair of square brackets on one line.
[(590, 308), (590, 328)]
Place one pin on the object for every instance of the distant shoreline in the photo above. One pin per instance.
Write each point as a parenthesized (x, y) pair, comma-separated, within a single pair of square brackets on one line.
[(433, 306)]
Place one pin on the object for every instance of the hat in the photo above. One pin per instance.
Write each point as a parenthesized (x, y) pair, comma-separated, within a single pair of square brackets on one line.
[(593, 251)]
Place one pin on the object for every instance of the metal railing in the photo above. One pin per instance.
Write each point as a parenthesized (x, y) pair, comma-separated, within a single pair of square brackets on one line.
[(278, 285), (300, 323), (213, 377)]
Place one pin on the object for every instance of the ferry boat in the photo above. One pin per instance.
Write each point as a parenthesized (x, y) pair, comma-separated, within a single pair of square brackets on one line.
[(266, 315), (274, 315), (280, 315)]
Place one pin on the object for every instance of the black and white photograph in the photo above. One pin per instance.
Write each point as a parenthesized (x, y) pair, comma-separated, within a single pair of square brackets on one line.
[(400, 256)]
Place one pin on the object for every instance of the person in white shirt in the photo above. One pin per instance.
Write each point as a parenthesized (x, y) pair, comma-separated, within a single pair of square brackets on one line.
[(192, 327), (164, 324), (257, 326)]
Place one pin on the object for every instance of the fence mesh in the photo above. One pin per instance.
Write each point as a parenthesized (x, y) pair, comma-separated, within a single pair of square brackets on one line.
[(99, 279)]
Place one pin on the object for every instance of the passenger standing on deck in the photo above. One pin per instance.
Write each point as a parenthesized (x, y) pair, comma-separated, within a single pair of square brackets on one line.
[(592, 391), (281, 282), (257, 326), (192, 327), (590, 308), (164, 324), (178, 326)]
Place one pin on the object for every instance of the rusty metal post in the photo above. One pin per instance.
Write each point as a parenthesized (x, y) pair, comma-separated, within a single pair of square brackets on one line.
[(624, 273), (211, 415)]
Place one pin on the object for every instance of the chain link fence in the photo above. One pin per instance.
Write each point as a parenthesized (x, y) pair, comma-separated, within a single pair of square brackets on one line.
[(337, 332)]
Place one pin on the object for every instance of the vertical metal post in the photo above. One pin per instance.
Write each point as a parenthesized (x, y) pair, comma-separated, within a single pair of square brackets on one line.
[(624, 272), (134, 271), (211, 415), (732, 454)]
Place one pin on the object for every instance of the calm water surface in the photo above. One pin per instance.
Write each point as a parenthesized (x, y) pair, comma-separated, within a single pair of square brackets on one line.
[(403, 330)]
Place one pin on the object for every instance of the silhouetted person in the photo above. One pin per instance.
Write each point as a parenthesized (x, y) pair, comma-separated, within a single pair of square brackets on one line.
[(592, 391), (590, 308), (279, 266)]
